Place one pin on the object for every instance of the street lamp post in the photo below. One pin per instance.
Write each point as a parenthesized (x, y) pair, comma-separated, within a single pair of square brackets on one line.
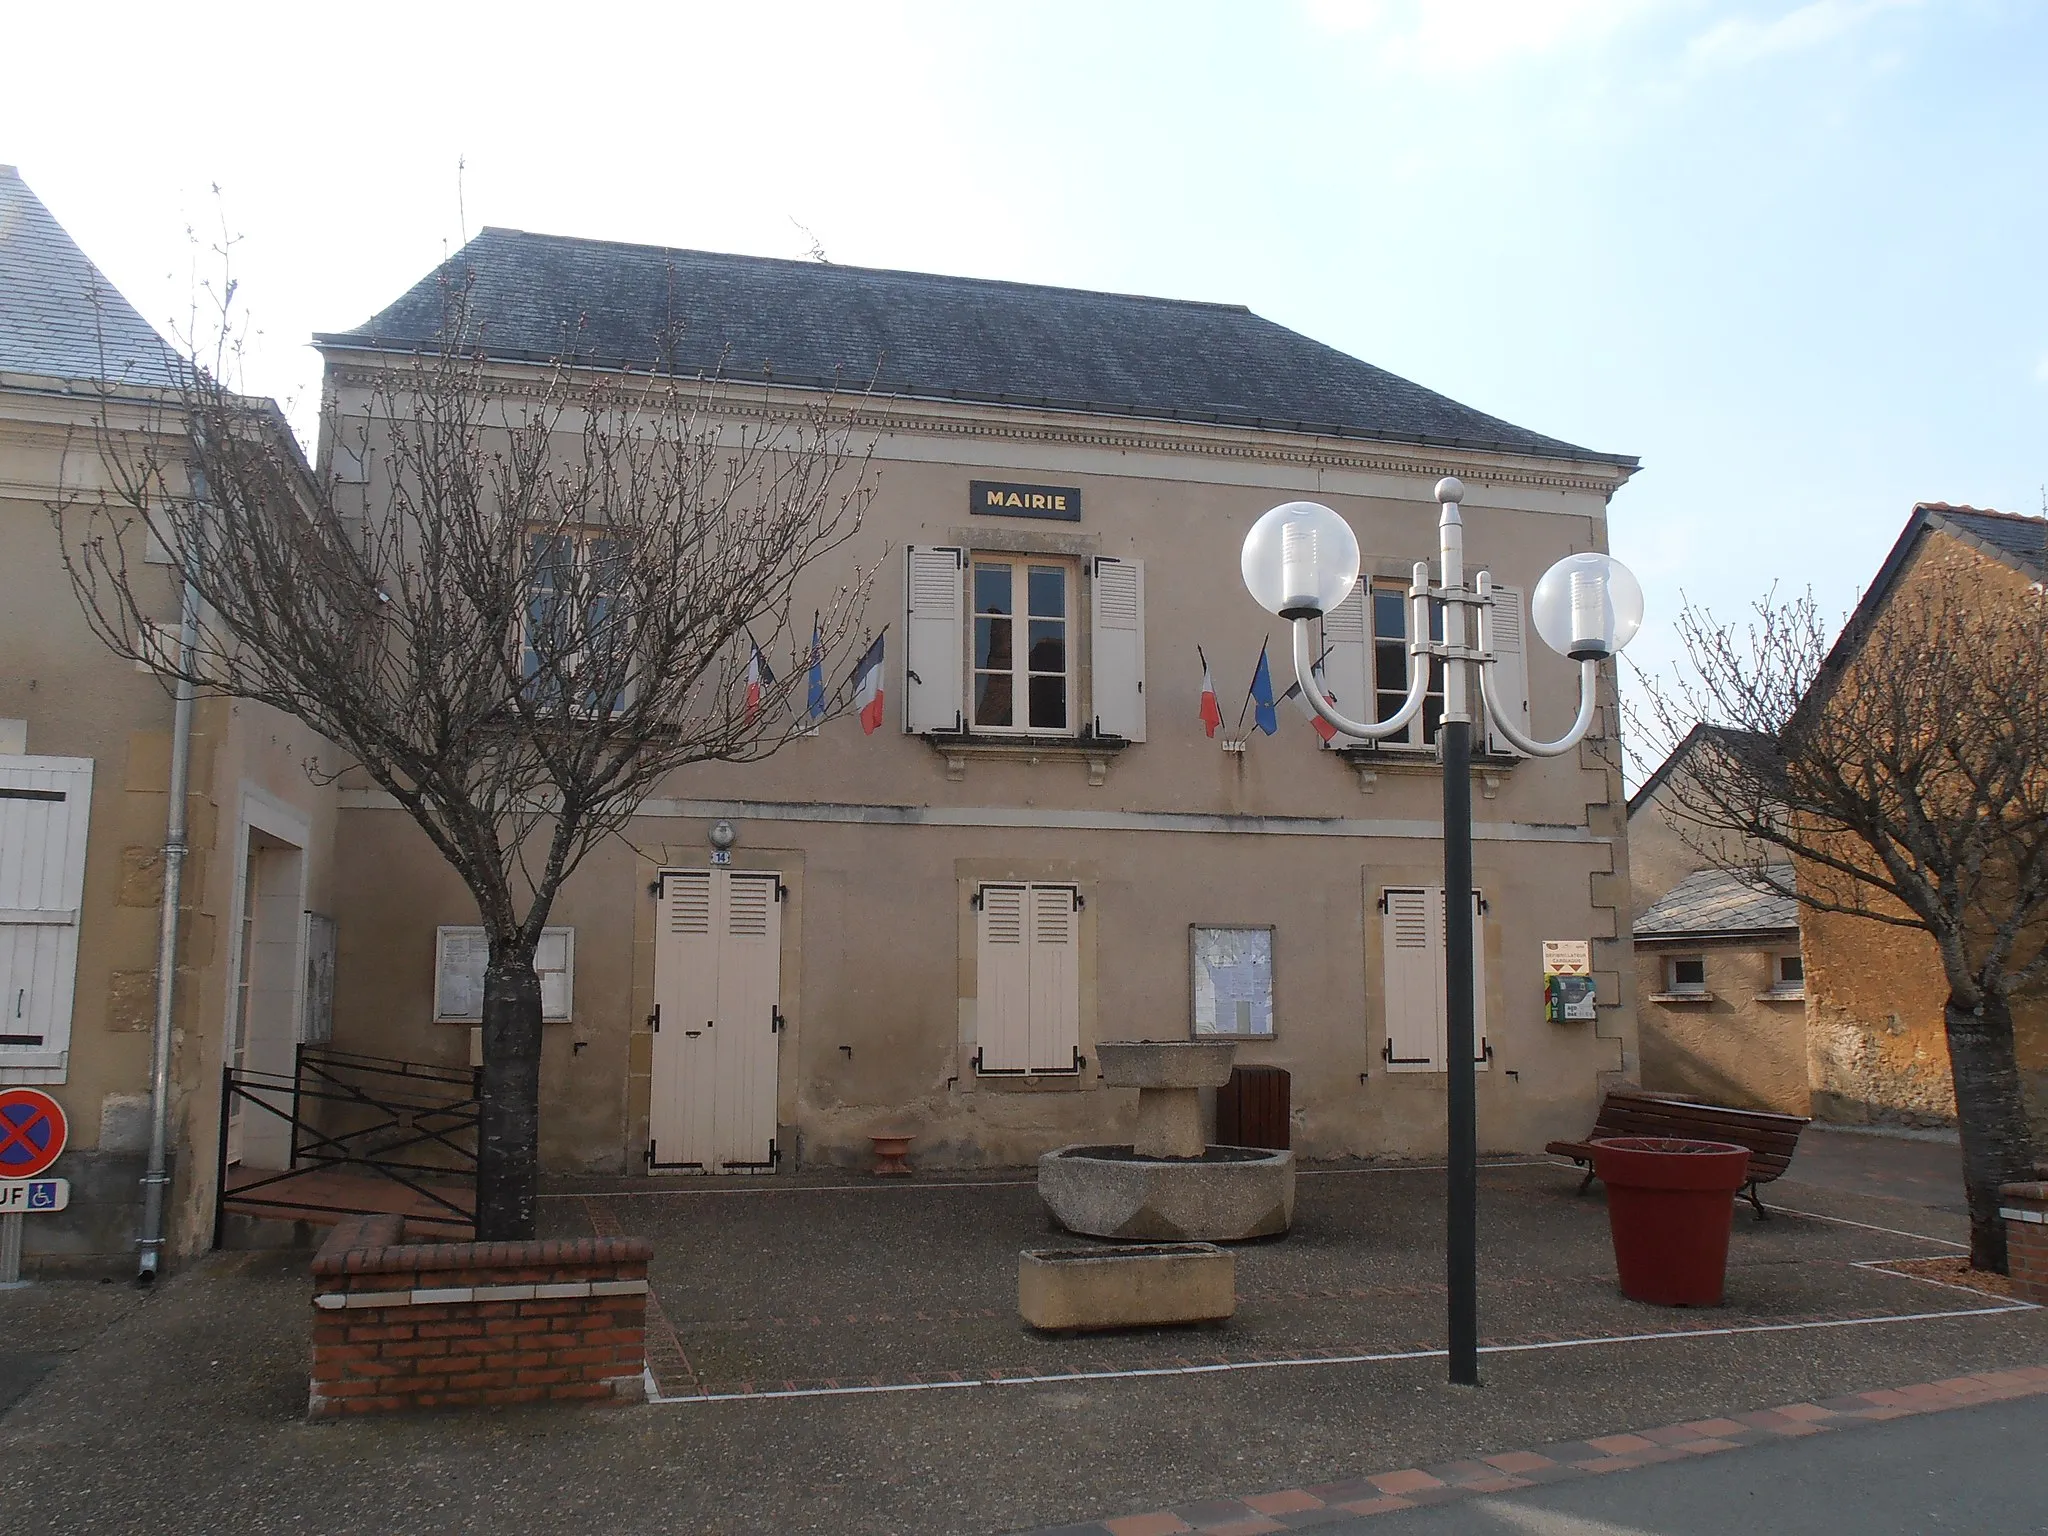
[(1300, 560)]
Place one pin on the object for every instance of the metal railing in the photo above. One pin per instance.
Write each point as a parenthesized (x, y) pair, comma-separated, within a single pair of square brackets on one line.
[(411, 1123)]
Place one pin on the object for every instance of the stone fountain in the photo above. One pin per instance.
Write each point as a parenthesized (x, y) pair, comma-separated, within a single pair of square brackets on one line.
[(1168, 1185)]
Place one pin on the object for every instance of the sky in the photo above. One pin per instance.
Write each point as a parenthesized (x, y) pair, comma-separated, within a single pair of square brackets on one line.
[(1791, 255)]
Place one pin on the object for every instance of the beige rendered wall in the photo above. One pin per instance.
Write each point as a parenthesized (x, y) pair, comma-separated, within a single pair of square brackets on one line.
[(881, 846), (1738, 1045), (81, 701)]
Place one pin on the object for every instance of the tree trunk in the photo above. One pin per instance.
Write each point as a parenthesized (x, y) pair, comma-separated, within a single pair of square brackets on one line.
[(508, 1127), (1997, 1141)]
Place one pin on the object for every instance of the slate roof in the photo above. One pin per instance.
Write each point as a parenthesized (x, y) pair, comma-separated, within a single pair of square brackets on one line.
[(59, 317), (810, 324), (1724, 736), (2019, 539), (1714, 903)]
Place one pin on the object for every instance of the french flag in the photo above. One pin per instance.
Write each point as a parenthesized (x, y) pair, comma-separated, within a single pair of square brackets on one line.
[(867, 688), (1212, 712), (758, 677), (1323, 728)]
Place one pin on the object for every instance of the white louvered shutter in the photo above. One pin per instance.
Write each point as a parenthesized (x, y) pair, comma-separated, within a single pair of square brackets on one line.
[(682, 1123), (749, 973), (1347, 659), (935, 637), (45, 805), (1413, 964), (1478, 978), (1509, 679), (1002, 1009), (1118, 621), (555, 959), (1055, 1026)]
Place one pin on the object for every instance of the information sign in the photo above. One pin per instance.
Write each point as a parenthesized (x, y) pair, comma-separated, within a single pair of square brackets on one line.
[(18, 1196)]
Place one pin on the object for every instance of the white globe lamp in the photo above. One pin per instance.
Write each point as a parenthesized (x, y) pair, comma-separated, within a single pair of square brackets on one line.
[(1587, 606), (1300, 560)]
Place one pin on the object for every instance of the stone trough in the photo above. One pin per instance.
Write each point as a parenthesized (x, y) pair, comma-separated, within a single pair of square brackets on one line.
[(1140, 1286), (1167, 1185)]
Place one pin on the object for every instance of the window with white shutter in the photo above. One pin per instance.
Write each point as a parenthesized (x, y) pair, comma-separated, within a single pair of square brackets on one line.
[(1416, 1008), (1118, 614), (1347, 659), (1028, 978), (45, 804), (934, 584), (1508, 681)]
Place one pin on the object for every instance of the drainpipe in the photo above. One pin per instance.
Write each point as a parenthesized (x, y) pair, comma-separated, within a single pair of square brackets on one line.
[(156, 1179)]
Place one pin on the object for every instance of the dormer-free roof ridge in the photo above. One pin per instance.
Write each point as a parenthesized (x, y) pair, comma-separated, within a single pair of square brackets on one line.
[(900, 334)]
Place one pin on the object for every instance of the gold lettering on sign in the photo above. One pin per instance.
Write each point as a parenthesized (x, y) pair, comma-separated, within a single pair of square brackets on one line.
[(993, 498)]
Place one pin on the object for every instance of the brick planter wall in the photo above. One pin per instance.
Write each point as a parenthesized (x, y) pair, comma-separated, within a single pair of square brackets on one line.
[(2025, 1209), (434, 1325)]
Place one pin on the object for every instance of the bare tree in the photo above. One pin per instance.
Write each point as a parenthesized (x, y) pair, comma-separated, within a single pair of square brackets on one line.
[(1905, 771), (528, 602)]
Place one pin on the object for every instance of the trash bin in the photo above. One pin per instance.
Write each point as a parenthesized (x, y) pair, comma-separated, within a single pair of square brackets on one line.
[(1670, 1202), (1254, 1109)]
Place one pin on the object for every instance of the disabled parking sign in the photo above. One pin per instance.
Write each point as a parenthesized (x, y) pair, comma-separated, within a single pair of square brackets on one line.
[(32, 1132)]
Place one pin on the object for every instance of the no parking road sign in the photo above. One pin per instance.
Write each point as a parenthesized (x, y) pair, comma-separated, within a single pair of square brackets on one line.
[(32, 1132)]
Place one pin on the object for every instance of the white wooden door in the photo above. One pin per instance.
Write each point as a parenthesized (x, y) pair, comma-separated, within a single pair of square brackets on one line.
[(717, 965), (45, 803)]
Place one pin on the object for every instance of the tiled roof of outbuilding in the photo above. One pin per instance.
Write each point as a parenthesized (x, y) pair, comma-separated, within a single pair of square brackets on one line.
[(1714, 901), (59, 317), (816, 325)]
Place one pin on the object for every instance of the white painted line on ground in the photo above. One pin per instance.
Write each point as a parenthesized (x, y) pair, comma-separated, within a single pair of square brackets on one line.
[(1219, 1367), (1843, 1221), (1881, 1266), (763, 1184)]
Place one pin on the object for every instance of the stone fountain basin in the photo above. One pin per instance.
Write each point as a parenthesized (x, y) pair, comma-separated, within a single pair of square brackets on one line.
[(1225, 1195), (1165, 1063)]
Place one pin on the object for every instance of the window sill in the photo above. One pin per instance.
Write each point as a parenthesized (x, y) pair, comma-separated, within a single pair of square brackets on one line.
[(1049, 1081), (1488, 768), (1784, 995), (1683, 997), (957, 749)]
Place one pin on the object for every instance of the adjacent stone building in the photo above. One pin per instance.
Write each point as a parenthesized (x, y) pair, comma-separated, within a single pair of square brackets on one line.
[(85, 766)]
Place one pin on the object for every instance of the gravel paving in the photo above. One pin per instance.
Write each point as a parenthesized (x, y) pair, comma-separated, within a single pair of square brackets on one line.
[(186, 1406)]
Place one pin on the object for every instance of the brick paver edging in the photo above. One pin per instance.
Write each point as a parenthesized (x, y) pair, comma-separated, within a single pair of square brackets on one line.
[(1297, 1508), (443, 1325)]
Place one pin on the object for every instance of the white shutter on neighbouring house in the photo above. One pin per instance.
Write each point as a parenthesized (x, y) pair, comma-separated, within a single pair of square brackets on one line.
[(1413, 966), (1055, 978), (1509, 679), (1002, 1009), (45, 806), (1118, 621), (1347, 658), (934, 637)]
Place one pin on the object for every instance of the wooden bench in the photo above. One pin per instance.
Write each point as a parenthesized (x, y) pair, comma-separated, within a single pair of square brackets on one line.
[(1770, 1137)]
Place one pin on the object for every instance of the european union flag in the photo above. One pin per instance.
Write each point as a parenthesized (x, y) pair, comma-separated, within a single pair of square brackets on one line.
[(1262, 695)]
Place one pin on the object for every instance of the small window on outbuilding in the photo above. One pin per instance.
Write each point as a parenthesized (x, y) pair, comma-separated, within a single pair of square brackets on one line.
[(1686, 975), (1788, 974)]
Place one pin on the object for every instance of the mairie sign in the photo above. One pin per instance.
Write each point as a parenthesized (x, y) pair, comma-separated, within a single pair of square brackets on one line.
[(1000, 498)]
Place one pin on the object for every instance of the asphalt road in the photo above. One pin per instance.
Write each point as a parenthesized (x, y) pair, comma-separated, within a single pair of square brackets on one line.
[(1979, 1470)]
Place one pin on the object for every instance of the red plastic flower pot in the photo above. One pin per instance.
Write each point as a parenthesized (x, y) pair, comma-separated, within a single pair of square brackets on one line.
[(1670, 1203)]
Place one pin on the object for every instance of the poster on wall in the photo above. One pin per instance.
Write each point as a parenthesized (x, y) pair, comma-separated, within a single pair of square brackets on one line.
[(461, 954), (1231, 981)]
